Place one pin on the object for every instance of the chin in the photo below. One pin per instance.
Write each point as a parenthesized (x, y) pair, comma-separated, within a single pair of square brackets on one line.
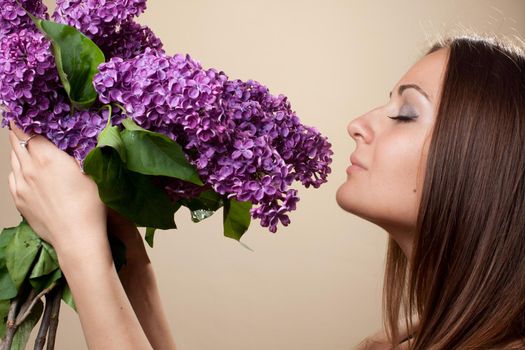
[(343, 198), (353, 202)]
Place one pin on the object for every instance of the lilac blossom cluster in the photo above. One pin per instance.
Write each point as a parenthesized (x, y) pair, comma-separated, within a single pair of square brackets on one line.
[(30, 90), (97, 17), (109, 24), (245, 142), (31, 95), (13, 18), (129, 41)]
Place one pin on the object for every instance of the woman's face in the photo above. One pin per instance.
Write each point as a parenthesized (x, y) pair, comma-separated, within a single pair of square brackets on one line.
[(393, 153)]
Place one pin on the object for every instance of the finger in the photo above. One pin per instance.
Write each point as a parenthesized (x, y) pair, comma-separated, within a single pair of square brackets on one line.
[(21, 154), (18, 132), (15, 165), (12, 185), (23, 136), (37, 142)]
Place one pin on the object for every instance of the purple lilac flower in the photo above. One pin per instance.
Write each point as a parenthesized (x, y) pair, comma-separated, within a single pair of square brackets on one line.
[(96, 18), (245, 142), (32, 96), (170, 95), (261, 114), (13, 18), (77, 134), (129, 41), (29, 83)]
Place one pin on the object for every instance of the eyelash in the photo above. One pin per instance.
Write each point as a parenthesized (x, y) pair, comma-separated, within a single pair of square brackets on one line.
[(403, 118)]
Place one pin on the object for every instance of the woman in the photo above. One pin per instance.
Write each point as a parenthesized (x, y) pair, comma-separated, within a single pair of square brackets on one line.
[(441, 167), (447, 183)]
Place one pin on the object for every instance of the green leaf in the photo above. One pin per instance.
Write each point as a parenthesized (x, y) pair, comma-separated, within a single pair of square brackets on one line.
[(207, 200), (152, 153), (150, 233), (5, 237), (67, 296), (236, 218), (4, 310), (203, 206), (110, 136), (8, 289), (46, 269), (51, 251), (46, 262), (42, 282), (24, 330), (118, 251), (77, 58), (131, 194), (129, 124), (21, 252)]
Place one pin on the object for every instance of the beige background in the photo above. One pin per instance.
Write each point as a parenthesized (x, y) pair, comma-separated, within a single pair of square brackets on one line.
[(316, 284)]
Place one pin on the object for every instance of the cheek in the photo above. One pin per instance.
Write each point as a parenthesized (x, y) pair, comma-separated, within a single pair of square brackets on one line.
[(395, 164), (384, 194), (398, 174)]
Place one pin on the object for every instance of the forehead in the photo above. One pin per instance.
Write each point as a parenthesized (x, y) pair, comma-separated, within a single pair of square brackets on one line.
[(427, 73)]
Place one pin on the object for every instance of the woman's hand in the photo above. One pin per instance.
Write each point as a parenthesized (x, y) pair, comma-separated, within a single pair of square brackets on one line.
[(54, 196), (62, 205)]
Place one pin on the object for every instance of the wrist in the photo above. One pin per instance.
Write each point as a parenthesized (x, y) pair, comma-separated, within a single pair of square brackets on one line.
[(78, 254)]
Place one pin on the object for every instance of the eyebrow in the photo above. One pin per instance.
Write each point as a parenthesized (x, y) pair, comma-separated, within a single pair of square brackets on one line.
[(410, 86)]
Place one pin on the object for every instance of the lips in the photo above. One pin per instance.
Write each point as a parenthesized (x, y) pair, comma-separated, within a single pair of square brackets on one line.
[(355, 161)]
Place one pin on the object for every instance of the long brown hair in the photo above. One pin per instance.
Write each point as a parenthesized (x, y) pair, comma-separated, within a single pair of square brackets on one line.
[(465, 280)]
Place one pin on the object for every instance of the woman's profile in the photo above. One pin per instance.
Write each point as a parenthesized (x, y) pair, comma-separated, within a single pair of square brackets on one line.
[(440, 166)]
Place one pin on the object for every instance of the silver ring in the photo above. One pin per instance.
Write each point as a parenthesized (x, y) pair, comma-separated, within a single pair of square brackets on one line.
[(23, 143)]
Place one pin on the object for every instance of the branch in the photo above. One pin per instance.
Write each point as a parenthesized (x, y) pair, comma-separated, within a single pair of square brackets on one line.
[(11, 326), (53, 326), (16, 317), (22, 316), (25, 305), (44, 325)]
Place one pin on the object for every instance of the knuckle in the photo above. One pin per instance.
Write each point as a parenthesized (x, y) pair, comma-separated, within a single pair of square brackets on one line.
[(20, 193), (44, 159), (18, 200), (30, 175)]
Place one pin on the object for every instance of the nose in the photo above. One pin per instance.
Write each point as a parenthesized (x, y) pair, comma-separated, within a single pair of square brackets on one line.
[(357, 129)]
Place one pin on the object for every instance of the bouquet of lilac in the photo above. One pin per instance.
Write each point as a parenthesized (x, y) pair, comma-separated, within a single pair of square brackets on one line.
[(155, 132)]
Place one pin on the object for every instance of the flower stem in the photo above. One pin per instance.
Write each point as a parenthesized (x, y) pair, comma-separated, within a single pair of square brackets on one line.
[(53, 326), (26, 310), (16, 317), (110, 113), (44, 325), (121, 108), (11, 327)]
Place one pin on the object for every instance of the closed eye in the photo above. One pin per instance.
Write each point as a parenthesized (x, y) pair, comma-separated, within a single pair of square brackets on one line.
[(403, 118)]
